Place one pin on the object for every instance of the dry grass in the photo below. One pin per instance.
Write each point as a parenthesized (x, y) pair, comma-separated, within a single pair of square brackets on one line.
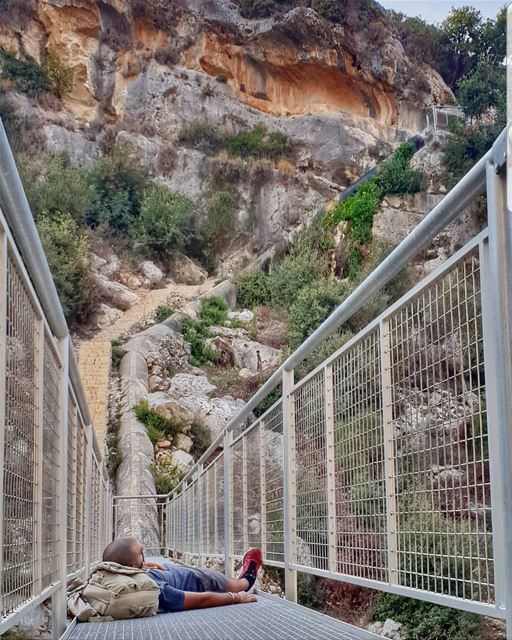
[(285, 167)]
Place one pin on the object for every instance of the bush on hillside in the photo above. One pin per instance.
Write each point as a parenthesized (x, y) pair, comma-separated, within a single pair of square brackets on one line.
[(396, 176), (26, 75), (220, 216), (359, 209), (257, 142), (465, 147), (214, 311), (313, 304), (202, 136), (58, 76), (118, 183), (295, 272), (66, 249), (54, 185), (160, 228), (253, 290), (156, 425)]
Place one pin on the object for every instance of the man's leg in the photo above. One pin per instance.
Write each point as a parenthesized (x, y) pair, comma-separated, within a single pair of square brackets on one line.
[(235, 585)]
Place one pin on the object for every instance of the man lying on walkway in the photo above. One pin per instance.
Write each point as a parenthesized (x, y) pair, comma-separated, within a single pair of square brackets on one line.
[(188, 587)]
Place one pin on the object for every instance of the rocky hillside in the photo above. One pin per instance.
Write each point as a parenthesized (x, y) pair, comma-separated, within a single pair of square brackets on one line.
[(147, 75)]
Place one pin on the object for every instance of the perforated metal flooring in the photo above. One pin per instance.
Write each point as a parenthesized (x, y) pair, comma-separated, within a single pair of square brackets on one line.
[(268, 619)]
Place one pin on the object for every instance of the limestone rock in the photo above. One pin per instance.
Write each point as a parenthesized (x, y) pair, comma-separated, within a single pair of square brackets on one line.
[(164, 444), (183, 442), (156, 383), (254, 356), (105, 316), (213, 413), (182, 460), (151, 273), (116, 293), (35, 624), (224, 354), (388, 629), (245, 374), (171, 409), (112, 267), (228, 332), (185, 384), (80, 150), (241, 316), (226, 290), (183, 270)]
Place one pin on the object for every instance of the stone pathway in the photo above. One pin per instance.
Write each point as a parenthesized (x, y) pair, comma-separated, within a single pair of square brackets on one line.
[(94, 357)]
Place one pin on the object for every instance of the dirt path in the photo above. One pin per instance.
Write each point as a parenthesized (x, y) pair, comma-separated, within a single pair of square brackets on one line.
[(94, 357)]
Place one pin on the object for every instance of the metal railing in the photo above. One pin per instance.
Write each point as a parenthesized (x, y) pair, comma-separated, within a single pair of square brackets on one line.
[(55, 498), (388, 466)]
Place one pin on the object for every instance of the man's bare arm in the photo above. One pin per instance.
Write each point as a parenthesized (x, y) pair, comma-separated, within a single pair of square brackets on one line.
[(211, 599)]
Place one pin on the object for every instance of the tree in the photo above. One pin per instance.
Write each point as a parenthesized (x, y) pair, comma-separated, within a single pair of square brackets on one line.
[(481, 89)]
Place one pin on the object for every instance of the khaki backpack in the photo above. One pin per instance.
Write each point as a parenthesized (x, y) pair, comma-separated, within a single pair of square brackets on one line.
[(116, 592)]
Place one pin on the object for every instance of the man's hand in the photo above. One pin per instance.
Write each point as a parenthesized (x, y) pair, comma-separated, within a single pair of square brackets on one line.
[(246, 597), (153, 565)]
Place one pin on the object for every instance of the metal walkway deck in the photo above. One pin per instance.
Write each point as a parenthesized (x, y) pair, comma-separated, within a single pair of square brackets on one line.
[(270, 618)]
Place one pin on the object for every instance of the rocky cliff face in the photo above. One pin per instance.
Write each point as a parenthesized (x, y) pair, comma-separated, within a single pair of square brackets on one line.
[(143, 71)]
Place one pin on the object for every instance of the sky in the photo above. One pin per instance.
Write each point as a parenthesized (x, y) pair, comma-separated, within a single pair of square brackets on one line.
[(436, 10)]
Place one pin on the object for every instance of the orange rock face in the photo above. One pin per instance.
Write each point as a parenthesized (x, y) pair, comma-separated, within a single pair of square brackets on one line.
[(284, 83)]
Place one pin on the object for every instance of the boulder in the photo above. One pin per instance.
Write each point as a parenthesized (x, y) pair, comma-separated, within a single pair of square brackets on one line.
[(151, 273), (224, 355), (185, 384), (241, 316), (183, 270), (164, 444), (245, 374), (213, 413), (105, 316), (156, 383), (228, 332), (171, 409), (254, 356), (111, 268), (183, 442), (116, 293), (226, 290), (182, 460), (388, 629)]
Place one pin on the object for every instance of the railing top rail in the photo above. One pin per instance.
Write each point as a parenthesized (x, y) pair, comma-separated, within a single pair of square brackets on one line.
[(464, 192)]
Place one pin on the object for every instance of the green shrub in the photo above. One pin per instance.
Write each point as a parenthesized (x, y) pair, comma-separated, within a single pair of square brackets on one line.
[(27, 76), (114, 459), (156, 425), (465, 147), (117, 353), (66, 249), (396, 175), (214, 311), (222, 78), (359, 209), (253, 290), (425, 621), (118, 184), (59, 77), (166, 476), (202, 440), (202, 136), (257, 143), (295, 272), (54, 185), (160, 229), (313, 304), (220, 216), (162, 313)]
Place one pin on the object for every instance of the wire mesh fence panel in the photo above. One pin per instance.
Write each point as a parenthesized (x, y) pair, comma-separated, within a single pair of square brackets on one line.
[(81, 498), (73, 479), (51, 466), (20, 448), (360, 492), (310, 452), (273, 485), (440, 438), (253, 487), (219, 505), (95, 532), (237, 497), (209, 490)]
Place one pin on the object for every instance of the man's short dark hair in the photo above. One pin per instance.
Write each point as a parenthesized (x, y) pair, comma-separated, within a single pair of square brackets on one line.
[(122, 551)]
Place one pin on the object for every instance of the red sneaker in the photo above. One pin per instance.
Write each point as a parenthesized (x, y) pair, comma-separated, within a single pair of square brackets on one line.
[(250, 566)]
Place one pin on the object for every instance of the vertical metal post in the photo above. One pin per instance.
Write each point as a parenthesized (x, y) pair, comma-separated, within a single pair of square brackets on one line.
[(38, 458), (289, 485), (263, 491), (330, 468), (245, 497), (3, 376), (389, 457), (497, 322), (88, 499), (228, 563), (59, 603), (200, 493)]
